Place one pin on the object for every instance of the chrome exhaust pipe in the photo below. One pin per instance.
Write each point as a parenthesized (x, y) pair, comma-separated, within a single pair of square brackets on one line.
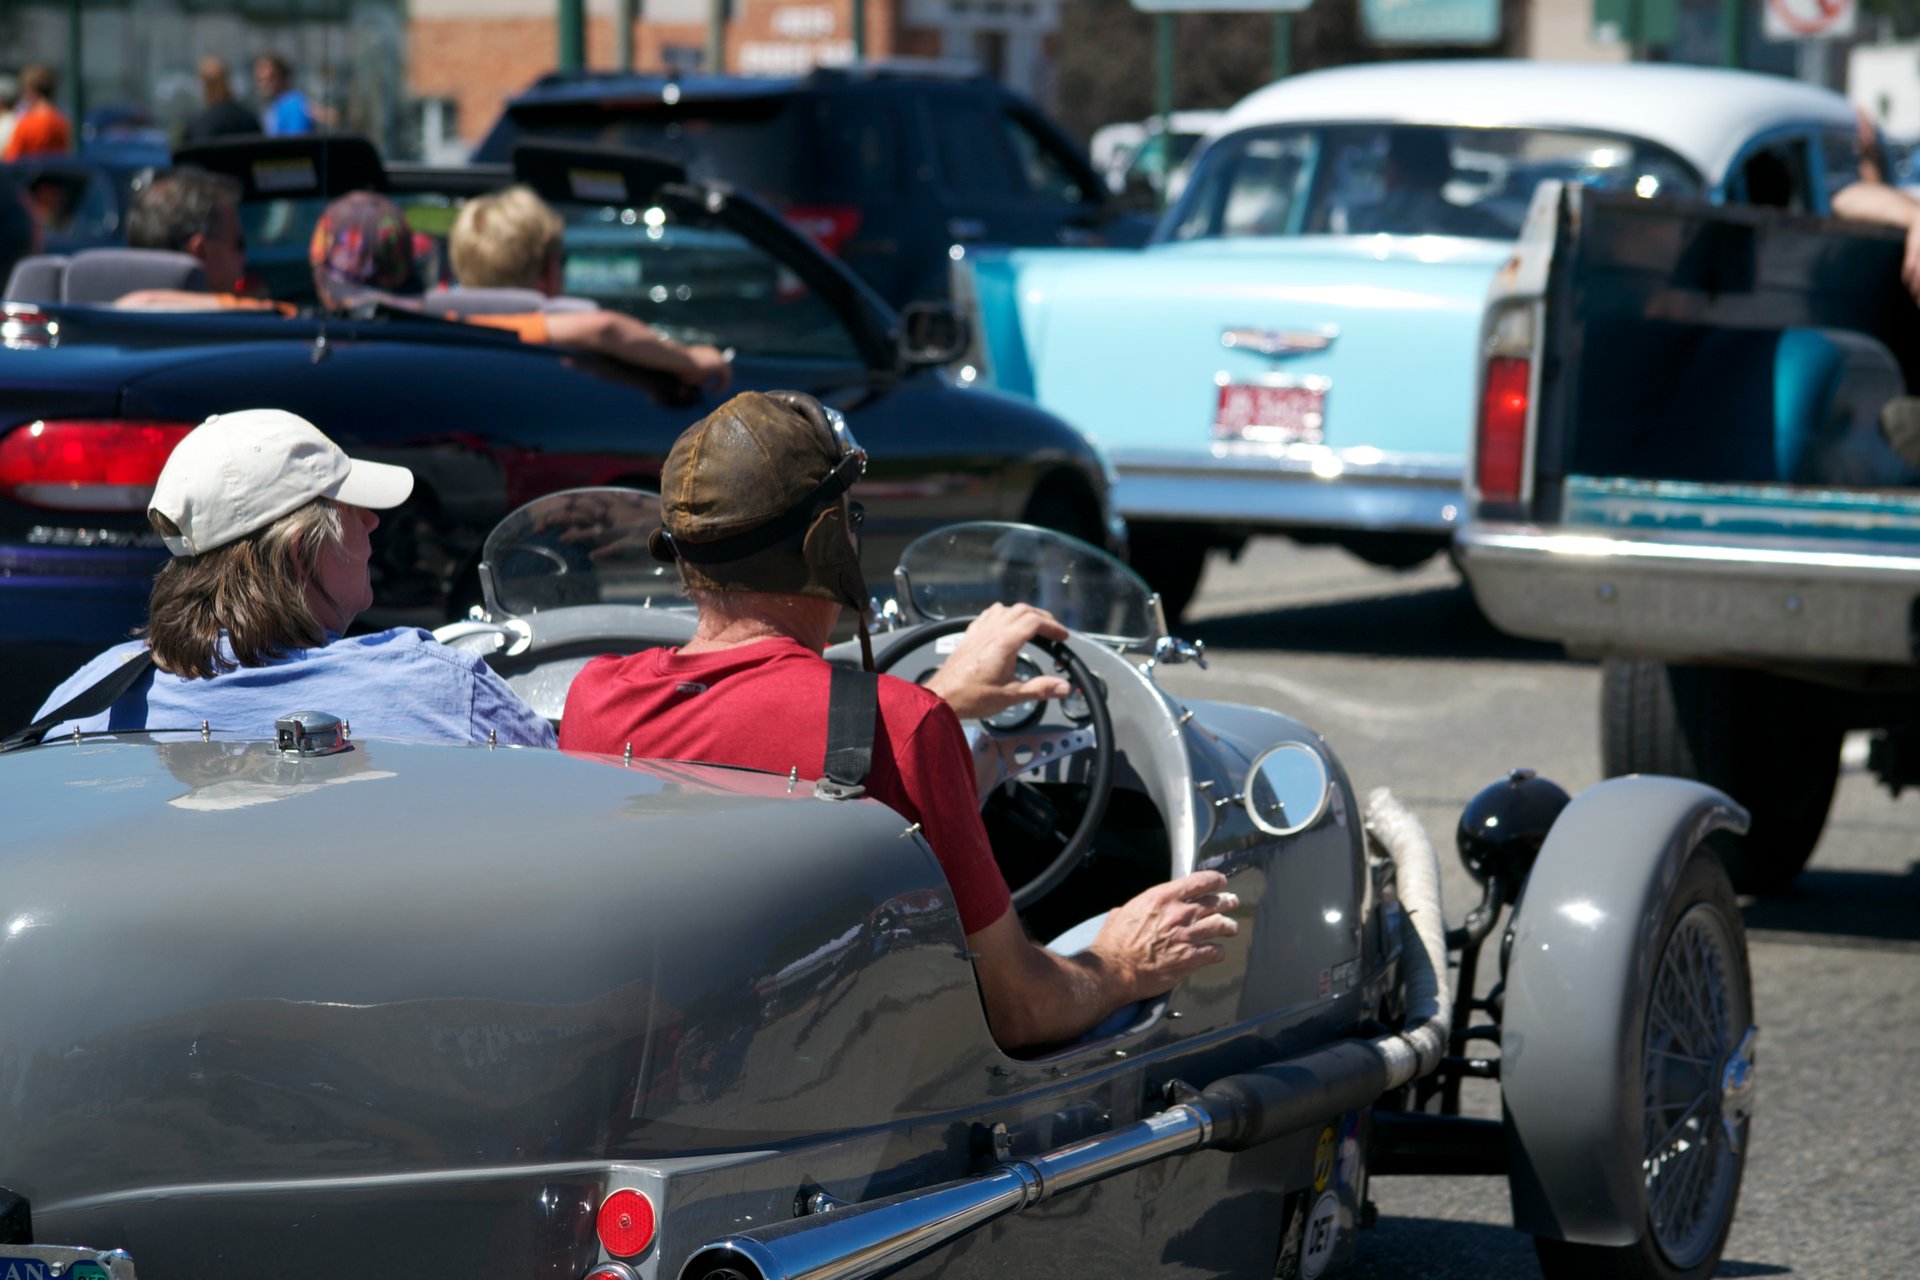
[(864, 1241)]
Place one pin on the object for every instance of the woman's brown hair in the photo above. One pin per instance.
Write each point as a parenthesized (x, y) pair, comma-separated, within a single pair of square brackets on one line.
[(254, 589)]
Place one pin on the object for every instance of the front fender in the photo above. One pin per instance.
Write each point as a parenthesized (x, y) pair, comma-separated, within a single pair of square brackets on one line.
[(1586, 938)]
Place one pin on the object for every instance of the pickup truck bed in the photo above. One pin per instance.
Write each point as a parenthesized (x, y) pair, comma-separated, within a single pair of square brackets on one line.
[(1695, 487)]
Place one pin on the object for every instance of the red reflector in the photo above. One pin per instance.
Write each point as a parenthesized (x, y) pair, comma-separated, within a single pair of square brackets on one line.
[(829, 225), (626, 1223), (88, 465), (1503, 429)]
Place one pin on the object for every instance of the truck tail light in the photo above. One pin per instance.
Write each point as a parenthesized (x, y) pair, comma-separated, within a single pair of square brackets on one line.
[(87, 464), (1502, 450), (829, 225), (625, 1224)]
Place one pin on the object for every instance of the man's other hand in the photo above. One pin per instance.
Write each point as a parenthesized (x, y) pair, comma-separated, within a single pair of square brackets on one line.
[(977, 679), (1167, 932)]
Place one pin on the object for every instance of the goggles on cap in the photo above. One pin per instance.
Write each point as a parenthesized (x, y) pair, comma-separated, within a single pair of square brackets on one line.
[(849, 447)]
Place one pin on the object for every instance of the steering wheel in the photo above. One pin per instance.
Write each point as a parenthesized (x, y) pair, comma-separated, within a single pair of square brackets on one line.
[(1017, 752)]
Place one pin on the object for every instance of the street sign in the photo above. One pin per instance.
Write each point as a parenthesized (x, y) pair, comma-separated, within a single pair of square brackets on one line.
[(1407, 22), (1222, 6), (1809, 19)]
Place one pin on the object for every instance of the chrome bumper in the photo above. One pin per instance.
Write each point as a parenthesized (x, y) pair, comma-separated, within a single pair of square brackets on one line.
[(1296, 486), (1697, 597)]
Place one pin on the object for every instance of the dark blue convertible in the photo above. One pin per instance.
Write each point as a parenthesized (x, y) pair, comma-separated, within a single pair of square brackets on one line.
[(92, 399)]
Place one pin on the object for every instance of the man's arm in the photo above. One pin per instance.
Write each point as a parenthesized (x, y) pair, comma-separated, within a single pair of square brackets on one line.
[(616, 334), (1890, 207), (1145, 948)]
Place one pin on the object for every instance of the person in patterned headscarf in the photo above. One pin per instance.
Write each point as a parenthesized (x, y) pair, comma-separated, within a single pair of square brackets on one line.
[(364, 251)]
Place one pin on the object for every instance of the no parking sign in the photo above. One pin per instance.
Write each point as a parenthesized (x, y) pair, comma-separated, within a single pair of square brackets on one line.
[(1809, 19)]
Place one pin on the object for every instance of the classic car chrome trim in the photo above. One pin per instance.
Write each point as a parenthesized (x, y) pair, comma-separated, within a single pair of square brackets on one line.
[(1281, 486), (1279, 343), (1682, 596)]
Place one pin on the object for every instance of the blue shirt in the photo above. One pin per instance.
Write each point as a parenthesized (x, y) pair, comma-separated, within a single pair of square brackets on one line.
[(287, 114), (400, 684)]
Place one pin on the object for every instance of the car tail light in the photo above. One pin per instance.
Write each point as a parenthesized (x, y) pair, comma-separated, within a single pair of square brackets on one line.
[(625, 1224), (87, 464), (1503, 428), (829, 225), (611, 1271), (24, 326)]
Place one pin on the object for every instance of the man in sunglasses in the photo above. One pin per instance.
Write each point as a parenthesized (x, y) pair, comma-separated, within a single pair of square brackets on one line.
[(758, 517)]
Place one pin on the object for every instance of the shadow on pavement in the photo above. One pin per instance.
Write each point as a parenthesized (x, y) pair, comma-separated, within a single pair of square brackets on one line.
[(1849, 908), (1438, 622), (1436, 1249)]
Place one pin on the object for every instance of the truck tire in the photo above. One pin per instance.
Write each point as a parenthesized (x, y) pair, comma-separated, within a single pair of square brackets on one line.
[(1688, 1049), (1763, 740), (1171, 564)]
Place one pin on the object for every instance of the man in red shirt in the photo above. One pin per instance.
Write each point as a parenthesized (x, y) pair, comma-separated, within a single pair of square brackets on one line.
[(40, 129), (757, 515)]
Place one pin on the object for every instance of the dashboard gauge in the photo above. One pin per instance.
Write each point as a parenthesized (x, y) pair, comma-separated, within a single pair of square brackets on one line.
[(1074, 706), (1020, 714)]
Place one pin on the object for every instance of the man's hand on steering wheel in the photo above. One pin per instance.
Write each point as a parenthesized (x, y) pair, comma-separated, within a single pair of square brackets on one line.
[(977, 679)]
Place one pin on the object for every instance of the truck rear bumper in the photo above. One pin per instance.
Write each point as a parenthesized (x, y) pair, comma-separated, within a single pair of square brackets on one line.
[(1694, 597), (1301, 486)]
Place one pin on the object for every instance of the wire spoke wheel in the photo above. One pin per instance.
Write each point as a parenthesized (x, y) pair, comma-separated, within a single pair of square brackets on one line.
[(1693, 1136)]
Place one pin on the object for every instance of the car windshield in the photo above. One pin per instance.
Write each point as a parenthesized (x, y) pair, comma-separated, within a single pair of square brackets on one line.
[(965, 569), (1343, 179), (756, 141), (579, 546)]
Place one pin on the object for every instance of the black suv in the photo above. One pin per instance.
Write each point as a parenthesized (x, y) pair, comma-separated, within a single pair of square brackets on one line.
[(886, 166)]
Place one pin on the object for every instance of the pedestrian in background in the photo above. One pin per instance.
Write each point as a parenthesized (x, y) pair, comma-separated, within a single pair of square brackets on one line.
[(41, 129), (283, 108), (222, 117)]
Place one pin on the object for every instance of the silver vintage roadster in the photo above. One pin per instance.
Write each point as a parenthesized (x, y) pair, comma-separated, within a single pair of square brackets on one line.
[(324, 1006)]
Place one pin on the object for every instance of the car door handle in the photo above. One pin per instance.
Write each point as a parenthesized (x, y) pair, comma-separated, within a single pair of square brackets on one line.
[(966, 228)]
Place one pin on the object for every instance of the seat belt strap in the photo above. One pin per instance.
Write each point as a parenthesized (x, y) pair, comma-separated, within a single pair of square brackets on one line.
[(853, 703), (90, 701)]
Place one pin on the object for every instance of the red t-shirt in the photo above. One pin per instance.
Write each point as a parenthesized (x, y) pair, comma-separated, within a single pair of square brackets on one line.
[(764, 706)]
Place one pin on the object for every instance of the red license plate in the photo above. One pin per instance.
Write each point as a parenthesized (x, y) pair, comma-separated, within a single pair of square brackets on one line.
[(1272, 415)]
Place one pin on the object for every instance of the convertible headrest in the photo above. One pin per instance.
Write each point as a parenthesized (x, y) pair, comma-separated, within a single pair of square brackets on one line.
[(107, 275), (500, 302), (37, 278)]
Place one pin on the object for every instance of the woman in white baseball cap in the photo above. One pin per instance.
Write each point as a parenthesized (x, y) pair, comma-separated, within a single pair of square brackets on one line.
[(268, 523)]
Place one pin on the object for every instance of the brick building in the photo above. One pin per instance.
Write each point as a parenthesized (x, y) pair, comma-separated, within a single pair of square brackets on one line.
[(471, 55)]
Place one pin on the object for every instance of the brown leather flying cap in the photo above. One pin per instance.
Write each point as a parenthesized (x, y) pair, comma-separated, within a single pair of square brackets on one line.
[(751, 501)]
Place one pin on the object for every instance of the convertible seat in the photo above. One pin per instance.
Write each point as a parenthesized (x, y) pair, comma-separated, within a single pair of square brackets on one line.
[(501, 302), (107, 275), (37, 278)]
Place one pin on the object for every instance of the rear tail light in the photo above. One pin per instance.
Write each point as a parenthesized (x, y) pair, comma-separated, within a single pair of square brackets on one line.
[(86, 464), (1503, 428), (829, 225), (1506, 399), (625, 1224), (23, 325)]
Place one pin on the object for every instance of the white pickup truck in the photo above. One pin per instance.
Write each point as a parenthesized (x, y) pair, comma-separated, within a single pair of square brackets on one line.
[(1679, 467)]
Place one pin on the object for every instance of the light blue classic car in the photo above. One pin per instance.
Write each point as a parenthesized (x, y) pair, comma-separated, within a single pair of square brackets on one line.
[(1297, 350)]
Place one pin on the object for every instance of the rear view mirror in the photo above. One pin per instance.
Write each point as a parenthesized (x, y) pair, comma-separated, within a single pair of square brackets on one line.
[(931, 333)]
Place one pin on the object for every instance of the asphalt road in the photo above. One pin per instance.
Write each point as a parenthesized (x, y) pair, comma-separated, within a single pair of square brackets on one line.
[(1415, 690)]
